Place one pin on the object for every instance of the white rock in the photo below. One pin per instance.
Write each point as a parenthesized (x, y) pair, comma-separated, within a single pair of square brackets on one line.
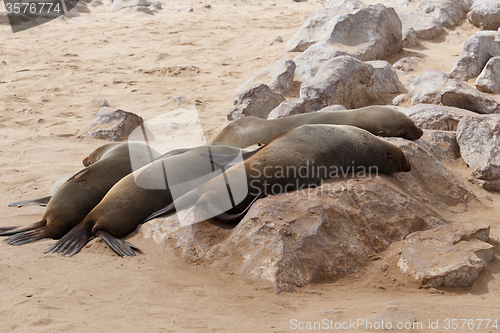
[(489, 79)]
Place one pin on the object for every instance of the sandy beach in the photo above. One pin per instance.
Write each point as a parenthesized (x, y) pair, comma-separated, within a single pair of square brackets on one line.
[(51, 78)]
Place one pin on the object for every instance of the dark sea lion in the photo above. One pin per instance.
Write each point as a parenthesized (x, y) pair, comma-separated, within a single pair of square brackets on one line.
[(75, 198), (138, 195), (320, 151), (378, 120)]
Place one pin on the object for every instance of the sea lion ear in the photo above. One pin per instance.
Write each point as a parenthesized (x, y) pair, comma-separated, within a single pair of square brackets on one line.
[(381, 132)]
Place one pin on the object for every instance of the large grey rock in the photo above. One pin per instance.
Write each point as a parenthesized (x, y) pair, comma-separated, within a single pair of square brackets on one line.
[(310, 61), (437, 117), (424, 25), (458, 94), (314, 25), (451, 255), (258, 100), (349, 82), (448, 12), (406, 64), (278, 76), (426, 87), (385, 78), (489, 79), (292, 107), (410, 38), (479, 141), (370, 33), (442, 145), (485, 14), (342, 80), (477, 50), (316, 234), (113, 124)]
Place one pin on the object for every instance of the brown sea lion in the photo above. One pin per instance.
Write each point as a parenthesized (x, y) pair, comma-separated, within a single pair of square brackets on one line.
[(295, 160), (75, 198), (378, 120), (138, 195)]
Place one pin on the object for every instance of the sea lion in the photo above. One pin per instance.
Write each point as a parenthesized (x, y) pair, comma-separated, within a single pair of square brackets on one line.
[(131, 200), (295, 160), (378, 120), (75, 198)]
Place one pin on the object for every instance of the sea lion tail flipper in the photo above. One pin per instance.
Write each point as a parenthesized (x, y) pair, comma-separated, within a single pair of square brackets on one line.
[(122, 248), (49, 231), (229, 218), (172, 153), (73, 241), (9, 232), (40, 202), (169, 208)]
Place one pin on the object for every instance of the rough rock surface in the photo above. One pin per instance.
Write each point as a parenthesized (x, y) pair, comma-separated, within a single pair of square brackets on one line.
[(298, 106), (258, 100), (426, 87), (113, 124), (349, 82), (458, 94), (392, 316), (477, 50), (316, 234), (489, 79), (385, 78), (437, 117), (370, 33), (410, 38), (488, 185), (479, 141), (278, 76), (425, 26), (485, 14), (442, 145), (451, 255), (406, 64), (314, 25), (448, 12)]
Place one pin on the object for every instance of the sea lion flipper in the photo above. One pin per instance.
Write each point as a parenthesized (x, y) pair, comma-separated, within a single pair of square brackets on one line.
[(172, 153), (169, 208), (229, 218), (73, 241), (122, 248), (40, 202), (9, 232), (230, 159)]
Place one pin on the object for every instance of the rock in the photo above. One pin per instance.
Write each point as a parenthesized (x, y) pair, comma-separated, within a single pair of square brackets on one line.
[(342, 80), (477, 50), (113, 124), (72, 13), (333, 108), (385, 78), (430, 181), (370, 33), (406, 64), (189, 9), (96, 3), (437, 117), (485, 14), (489, 79), (121, 4), (424, 26), (479, 141), (276, 39), (451, 255), (448, 12), (258, 101), (426, 88), (399, 99), (487, 185), (442, 145), (313, 235), (278, 76), (178, 99), (309, 62), (145, 10), (458, 94), (291, 107), (314, 25), (410, 38), (82, 8)]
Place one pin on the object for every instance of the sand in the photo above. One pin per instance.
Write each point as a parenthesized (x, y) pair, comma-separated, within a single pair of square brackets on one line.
[(50, 79)]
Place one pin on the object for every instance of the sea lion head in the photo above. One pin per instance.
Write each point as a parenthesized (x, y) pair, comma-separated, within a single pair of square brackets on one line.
[(397, 160), (386, 121)]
